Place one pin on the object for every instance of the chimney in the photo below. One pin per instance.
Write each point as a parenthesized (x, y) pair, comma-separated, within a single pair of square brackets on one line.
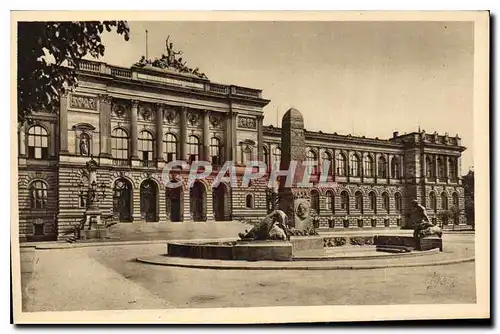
[(395, 134)]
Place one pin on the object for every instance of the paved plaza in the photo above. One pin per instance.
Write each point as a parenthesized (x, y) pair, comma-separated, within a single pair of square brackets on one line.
[(109, 277)]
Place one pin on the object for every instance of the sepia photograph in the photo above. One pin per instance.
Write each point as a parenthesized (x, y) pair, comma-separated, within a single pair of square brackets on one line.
[(249, 167)]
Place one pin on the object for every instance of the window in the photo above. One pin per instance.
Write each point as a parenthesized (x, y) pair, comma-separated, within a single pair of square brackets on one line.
[(346, 223), (330, 201), (315, 201), (119, 144), (277, 158), (429, 167), (382, 168), (368, 172), (215, 151), (170, 147), (38, 229), (440, 164), (398, 221), (385, 202), (358, 201), (386, 222), (398, 202), (360, 223), (373, 201), (395, 168), (344, 201), (193, 148), (433, 201), (455, 200), (444, 201), (354, 165), (452, 165), (38, 143), (341, 165), (312, 162), (146, 144), (38, 193), (327, 161), (374, 222), (249, 201)]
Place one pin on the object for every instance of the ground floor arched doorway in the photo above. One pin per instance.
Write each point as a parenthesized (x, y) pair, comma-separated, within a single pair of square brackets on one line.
[(221, 201), (149, 201), (198, 199), (173, 197), (122, 200)]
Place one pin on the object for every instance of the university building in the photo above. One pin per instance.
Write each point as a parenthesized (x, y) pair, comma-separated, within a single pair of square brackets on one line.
[(132, 121)]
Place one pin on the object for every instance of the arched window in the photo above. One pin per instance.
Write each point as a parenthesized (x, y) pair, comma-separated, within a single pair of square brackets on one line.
[(341, 164), (312, 162), (249, 201), (330, 201), (38, 143), (354, 165), (455, 200), (215, 151), (398, 202), (369, 170), (277, 158), (327, 161), (429, 167), (358, 201), (146, 144), (385, 202), (452, 165), (38, 193), (382, 167), (315, 200), (344, 201), (373, 201), (395, 168), (193, 148), (440, 164), (444, 201), (119, 144), (433, 201), (170, 147)]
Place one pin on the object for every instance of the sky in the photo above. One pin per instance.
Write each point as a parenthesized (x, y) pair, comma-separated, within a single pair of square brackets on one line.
[(360, 78)]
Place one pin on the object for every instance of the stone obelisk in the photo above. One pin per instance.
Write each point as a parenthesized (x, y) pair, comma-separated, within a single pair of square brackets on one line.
[(293, 148)]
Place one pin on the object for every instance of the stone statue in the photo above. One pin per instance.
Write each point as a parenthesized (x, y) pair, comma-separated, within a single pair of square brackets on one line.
[(84, 146), (421, 223), (272, 227)]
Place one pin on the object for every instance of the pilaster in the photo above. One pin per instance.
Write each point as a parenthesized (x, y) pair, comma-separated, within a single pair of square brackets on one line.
[(63, 124), (105, 125), (206, 135), (133, 129), (183, 136), (159, 132)]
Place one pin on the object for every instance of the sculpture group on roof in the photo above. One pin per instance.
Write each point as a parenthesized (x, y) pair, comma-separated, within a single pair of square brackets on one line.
[(171, 60)]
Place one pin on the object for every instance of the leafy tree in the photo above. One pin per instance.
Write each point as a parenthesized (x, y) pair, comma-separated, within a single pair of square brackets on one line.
[(48, 55), (468, 184), (450, 215)]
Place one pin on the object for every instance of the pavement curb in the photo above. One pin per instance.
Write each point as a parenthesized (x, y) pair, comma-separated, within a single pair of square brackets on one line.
[(293, 265)]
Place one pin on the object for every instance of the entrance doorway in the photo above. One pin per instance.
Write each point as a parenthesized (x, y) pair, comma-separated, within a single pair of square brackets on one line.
[(149, 203), (221, 202), (198, 201), (122, 200), (173, 197)]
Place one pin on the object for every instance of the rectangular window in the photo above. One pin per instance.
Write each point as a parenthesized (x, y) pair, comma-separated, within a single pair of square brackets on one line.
[(374, 222), (38, 229), (360, 222), (346, 223), (386, 222)]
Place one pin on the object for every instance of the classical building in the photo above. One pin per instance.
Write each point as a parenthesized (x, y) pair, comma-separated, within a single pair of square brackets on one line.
[(132, 121)]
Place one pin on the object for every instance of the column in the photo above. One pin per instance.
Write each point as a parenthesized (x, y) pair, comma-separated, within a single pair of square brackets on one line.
[(63, 124), (133, 128), (446, 169), (53, 141), (227, 145), (362, 166), (234, 144), (183, 134), (334, 164), (423, 163), (435, 168), (401, 167), (104, 125), (159, 132), (206, 136), (22, 139), (388, 167), (260, 138)]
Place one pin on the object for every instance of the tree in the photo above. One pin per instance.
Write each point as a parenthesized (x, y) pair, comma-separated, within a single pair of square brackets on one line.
[(468, 184), (453, 214), (48, 55)]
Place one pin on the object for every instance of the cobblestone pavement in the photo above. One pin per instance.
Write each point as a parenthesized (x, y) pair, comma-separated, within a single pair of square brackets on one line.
[(99, 278)]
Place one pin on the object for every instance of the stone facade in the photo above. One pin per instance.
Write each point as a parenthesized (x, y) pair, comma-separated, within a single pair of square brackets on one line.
[(133, 121)]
